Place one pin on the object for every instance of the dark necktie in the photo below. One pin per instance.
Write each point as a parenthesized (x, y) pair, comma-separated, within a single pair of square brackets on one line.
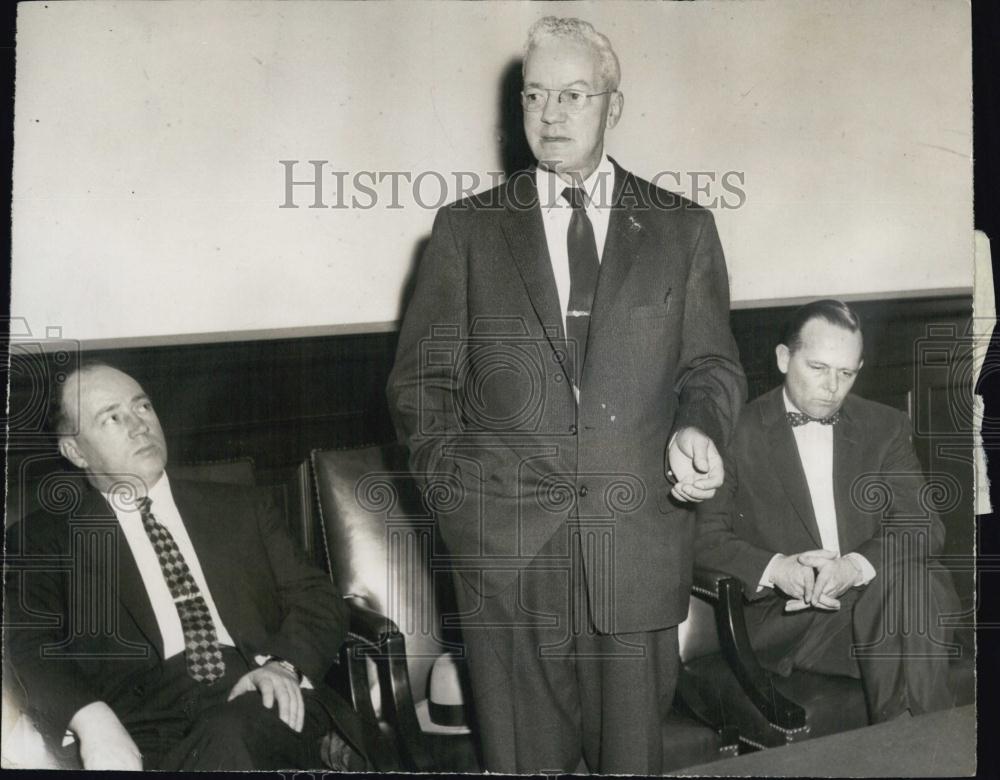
[(797, 418), (201, 642), (584, 267)]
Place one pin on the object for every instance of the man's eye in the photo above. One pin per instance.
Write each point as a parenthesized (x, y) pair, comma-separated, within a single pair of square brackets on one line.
[(573, 97), (533, 97)]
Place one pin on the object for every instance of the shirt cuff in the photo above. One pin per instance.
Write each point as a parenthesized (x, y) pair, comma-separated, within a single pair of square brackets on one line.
[(765, 578), (867, 570), (305, 684)]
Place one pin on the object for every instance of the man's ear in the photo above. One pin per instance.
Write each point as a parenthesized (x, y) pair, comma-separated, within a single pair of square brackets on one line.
[(783, 354), (69, 450), (615, 107)]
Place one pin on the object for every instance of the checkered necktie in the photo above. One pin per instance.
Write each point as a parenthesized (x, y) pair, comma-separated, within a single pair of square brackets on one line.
[(796, 419), (201, 642)]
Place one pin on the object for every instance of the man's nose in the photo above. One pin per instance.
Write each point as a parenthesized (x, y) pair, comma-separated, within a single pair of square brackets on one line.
[(137, 426), (832, 383), (553, 110)]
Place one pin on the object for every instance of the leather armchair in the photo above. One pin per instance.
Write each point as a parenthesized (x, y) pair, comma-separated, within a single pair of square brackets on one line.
[(386, 559), (389, 562), (726, 685)]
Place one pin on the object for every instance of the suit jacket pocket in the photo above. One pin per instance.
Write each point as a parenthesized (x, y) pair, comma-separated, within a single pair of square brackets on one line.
[(650, 312)]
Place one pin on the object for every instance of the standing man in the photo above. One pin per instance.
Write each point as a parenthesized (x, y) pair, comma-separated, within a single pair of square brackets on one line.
[(168, 624), (823, 519), (567, 347)]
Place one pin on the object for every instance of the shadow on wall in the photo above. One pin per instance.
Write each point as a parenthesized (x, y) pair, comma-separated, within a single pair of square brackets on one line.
[(410, 282), (514, 154)]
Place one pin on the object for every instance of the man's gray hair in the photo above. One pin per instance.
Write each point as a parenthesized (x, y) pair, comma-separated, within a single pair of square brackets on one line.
[(549, 27)]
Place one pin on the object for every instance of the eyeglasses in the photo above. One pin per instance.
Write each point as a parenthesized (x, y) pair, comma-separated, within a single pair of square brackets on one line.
[(572, 100)]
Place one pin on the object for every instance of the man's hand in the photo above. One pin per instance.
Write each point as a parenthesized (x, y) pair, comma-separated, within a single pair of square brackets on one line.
[(276, 684), (835, 576), (793, 579), (696, 465), (104, 742)]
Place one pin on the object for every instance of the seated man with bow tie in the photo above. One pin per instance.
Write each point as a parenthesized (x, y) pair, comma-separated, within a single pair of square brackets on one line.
[(165, 624), (828, 571)]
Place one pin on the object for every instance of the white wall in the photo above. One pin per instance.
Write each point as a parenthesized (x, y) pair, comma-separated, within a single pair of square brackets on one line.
[(147, 139)]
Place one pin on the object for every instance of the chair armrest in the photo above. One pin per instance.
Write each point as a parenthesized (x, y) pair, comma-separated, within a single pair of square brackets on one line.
[(372, 628), (373, 635), (706, 583), (735, 642)]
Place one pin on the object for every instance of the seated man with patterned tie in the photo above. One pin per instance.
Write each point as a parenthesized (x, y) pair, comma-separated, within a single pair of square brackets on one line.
[(837, 583), (168, 625)]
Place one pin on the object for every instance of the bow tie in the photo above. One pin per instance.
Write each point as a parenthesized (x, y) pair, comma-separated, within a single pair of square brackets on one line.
[(795, 419)]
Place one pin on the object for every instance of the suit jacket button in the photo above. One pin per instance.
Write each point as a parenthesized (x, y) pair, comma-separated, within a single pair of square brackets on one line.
[(583, 490), (572, 429)]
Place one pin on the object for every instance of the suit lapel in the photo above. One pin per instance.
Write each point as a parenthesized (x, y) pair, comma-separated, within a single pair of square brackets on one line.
[(621, 248), (848, 454), (204, 519), (784, 453), (129, 587), (525, 234)]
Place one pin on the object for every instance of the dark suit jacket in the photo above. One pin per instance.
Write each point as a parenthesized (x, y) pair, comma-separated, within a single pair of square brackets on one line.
[(481, 396), (765, 507), (81, 627)]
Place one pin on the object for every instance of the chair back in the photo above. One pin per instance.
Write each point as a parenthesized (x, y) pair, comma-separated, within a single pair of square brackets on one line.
[(697, 636), (381, 545), (237, 471)]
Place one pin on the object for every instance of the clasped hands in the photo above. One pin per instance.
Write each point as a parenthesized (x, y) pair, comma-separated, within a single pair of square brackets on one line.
[(695, 464), (816, 578), (106, 744)]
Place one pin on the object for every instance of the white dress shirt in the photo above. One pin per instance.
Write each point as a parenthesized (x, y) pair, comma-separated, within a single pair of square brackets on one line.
[(165, 512), (814, 442)]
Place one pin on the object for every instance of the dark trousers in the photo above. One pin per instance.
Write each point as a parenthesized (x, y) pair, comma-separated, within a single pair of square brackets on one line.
[(887, 634), (548, 690), (185, 725)]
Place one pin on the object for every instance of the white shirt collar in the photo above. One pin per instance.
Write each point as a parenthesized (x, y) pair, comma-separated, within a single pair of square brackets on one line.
[(598, 186), (120, 500)]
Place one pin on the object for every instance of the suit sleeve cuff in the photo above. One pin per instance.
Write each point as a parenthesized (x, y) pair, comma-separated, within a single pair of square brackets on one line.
[(765, 578), (305, 683), (867, 570)]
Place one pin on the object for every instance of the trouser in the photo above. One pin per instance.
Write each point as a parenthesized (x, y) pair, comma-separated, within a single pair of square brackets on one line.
[(186, 725), (886, 634), (549, 691)]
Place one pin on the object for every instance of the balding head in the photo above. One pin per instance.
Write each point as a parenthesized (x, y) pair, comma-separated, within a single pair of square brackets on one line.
[(109, 429)]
